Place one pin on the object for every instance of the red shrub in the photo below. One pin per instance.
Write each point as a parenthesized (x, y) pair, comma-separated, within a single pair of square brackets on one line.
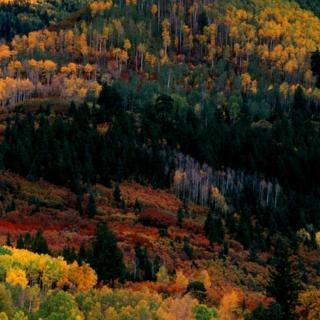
[(155, 218)]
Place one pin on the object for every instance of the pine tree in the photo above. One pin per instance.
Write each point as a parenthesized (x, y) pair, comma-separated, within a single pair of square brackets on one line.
[(137, 206), (300, 105), (107, 258), (187, 248), (27, 240), (147, 266), (244, 234), (283, 283), (138, 261), (144, 268), (82, 254), (79, 204), (9, 240), (69, 254), (39, 243), (20, 242), (91, 209), (117, 194), (180, 217), (214, 229), (315, 65)]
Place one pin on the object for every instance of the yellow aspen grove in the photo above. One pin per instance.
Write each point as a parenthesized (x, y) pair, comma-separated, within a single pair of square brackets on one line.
[(5, 52), (14, 69), (17, 277), (50, 68)]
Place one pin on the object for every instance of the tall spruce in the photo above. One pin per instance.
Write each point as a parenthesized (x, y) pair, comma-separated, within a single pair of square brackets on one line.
[(284, 282), (39, 243), (214, 229), (107, 258), (91, 208)]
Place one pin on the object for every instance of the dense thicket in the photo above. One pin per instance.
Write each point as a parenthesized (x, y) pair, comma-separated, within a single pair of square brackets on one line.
[(74, 150), (22, 17)]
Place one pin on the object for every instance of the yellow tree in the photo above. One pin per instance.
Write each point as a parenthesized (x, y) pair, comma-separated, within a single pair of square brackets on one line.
[(17, 277), (49, 67), (182, 281), (229, 306), (309, 304), (166, 36)]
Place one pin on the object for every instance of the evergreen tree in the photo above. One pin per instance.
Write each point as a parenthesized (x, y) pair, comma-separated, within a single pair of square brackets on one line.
[(187, 248), (315, 65), (9, 240), (137, 206), (39, 243), (144, 268), (91, 209), (138, 261), (180, 216), (214, 229), (82, 254), (274, 312), (79, 204), (20, 242), (300, 105), (107, 258), (117, 194), (27, 240), (244, 234), (283, 283), (147, 265), (69, 254)]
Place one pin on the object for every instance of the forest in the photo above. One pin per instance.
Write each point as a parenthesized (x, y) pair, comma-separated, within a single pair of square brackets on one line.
[(159, 159)]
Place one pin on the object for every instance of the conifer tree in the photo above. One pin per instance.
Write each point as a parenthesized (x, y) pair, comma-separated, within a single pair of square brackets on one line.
[(39, 243), (107, 258), (20, 242), (27, 240), (9, 240), (214, 229), (79, 204), (91, 209), (315, 66), (180, 216), (82, 254), (137, 206), (283, 283), (117, 194)]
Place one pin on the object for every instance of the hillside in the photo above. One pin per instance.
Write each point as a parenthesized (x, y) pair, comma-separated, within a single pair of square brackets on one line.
[(168, 151)]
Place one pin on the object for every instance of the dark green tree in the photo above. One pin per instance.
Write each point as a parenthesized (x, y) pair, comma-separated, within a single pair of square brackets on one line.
[(20, 242), (91, 208), (39, 243), (83, 254), (180, 216), (79, 204), (315, 65), (214, 229), (27, 241), (69, 254), (283, 283), (137, 206), (9, 240), (107, 259), (274, 312), (117, 194), (187, 248), (300, 105)]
